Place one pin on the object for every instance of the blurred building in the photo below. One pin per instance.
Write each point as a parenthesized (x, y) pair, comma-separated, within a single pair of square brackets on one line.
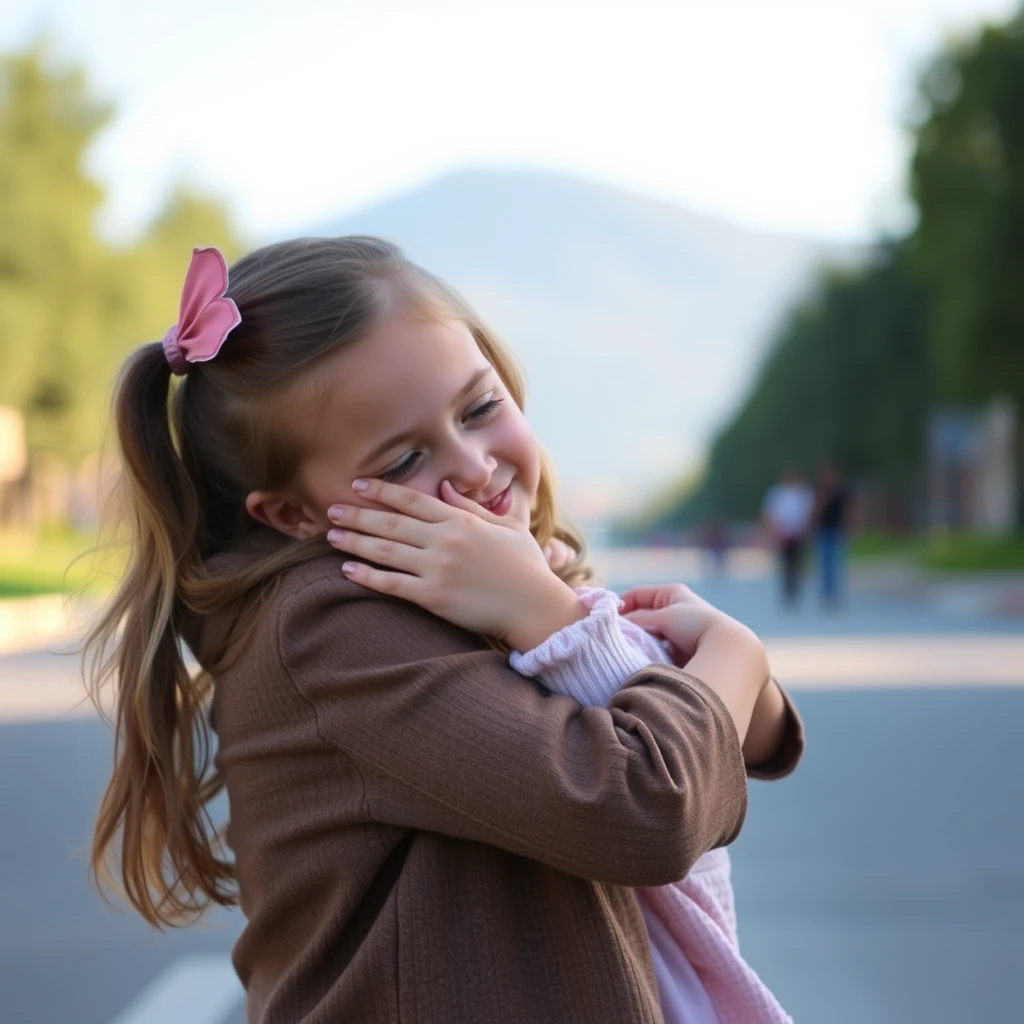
[(13, 465), (44, 490), (972, 469)]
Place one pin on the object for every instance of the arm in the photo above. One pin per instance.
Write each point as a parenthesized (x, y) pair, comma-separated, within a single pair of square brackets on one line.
[(775, 740), (448, 738), (592, 659)]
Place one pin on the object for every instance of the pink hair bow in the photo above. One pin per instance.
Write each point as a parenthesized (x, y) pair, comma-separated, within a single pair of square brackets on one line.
[(205, 316)]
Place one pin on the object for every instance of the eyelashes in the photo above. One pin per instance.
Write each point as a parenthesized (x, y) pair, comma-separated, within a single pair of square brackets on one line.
[(483, 410), (479, 413), (393, 475)]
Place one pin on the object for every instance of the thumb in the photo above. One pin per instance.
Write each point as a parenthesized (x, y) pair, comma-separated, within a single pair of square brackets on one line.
[(644, 617)]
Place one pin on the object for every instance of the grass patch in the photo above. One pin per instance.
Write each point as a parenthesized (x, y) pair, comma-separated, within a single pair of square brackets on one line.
[(866, 547), (52, 562), (949, 553), (974, 554)]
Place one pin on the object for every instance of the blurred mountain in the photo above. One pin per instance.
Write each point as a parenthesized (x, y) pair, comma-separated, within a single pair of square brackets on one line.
[(639, 324)]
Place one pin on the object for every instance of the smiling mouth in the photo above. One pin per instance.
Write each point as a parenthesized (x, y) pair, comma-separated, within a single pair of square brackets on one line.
[(497, 501)]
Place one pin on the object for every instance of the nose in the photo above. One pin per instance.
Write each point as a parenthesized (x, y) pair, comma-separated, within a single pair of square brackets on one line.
[(470, 469)]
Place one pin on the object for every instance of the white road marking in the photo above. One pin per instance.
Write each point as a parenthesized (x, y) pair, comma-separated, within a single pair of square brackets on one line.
[(194, 989), (877, 662), (35, 688)]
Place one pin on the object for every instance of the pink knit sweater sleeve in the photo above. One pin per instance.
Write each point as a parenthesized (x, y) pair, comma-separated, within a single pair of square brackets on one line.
[(591, 660)]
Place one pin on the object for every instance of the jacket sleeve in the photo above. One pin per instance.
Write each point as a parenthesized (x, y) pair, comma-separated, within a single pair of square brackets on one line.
[(448, 738), (790, 749), (591, 659)]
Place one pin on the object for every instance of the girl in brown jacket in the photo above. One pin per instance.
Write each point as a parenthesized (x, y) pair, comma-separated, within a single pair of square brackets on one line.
[(419, 833)]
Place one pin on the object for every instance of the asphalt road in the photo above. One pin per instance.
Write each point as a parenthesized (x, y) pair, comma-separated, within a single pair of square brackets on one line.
[(884, 882)]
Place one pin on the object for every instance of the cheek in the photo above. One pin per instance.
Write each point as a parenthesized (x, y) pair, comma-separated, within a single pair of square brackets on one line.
[(323, 485), (522, 450), (424, 483)]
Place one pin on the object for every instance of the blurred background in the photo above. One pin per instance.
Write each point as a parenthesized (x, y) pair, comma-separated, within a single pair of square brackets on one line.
[(763, 266)]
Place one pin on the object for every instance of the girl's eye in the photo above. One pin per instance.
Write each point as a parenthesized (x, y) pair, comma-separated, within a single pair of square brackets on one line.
[(404, 469), (488, 407), (392, 475)]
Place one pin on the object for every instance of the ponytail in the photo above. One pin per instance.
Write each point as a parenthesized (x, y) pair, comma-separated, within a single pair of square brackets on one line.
[(154, 838)]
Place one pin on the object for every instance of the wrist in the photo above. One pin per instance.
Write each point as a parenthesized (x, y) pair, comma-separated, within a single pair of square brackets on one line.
[(559, 606)]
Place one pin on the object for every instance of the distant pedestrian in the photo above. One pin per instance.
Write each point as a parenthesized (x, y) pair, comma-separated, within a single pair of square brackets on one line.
[(787, 510), (832, 509), (716, 545)]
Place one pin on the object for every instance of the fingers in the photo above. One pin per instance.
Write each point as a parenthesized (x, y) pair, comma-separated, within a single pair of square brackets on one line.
[(638, 597), (653, 596), (456, 500), (396, 584), (381, 550), (380, 523), (646, 617), (558, 553), (407, 501), (453, 498)]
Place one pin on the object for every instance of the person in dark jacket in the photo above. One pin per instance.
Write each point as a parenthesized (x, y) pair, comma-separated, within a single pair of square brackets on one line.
[(833, 504)]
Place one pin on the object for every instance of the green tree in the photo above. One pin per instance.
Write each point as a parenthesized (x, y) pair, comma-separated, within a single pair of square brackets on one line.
[(937, 318), (51, 264), (71, 306), (847, 379), (967, 179)]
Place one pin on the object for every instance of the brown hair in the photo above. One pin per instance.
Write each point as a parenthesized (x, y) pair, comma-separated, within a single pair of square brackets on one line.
[(190, 452)]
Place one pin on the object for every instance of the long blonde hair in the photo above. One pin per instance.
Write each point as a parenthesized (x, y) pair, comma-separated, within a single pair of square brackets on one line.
[(191, 450)]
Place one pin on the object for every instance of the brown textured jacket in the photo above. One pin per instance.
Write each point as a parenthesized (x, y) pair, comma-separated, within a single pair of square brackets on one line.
[(423, 836)]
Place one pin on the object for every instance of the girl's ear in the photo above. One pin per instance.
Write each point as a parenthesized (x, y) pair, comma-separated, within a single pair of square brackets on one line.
[(282, 513)]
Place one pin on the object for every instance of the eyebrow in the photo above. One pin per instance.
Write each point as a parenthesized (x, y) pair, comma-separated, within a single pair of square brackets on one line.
[(396, 439)]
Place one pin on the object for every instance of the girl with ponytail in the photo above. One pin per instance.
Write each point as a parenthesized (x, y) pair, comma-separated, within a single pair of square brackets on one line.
[(463, 787)]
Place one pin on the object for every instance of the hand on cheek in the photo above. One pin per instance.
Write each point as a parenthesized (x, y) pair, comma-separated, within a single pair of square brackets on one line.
[(480, 571)]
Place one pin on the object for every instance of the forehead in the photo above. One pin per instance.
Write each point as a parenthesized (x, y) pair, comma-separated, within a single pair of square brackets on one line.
[(397, 377)]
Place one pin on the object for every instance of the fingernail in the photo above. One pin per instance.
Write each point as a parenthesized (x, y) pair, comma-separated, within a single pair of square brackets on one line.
[(334, 536), (335, 512), (359, 485), (348, 568)]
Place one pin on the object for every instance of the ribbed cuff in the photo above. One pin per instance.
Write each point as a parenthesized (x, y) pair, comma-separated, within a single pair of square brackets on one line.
[(589, 660)]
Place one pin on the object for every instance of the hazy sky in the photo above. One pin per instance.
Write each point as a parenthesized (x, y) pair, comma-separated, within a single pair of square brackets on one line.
[(784, 115)]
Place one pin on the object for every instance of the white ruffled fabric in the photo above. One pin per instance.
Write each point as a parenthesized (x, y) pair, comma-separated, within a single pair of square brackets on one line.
[(702, 979)]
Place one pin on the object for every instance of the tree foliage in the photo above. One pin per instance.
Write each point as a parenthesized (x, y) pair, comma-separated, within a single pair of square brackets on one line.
[(937, 316), (967, 179), (844, 380), (52, 267), (71, 304)]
